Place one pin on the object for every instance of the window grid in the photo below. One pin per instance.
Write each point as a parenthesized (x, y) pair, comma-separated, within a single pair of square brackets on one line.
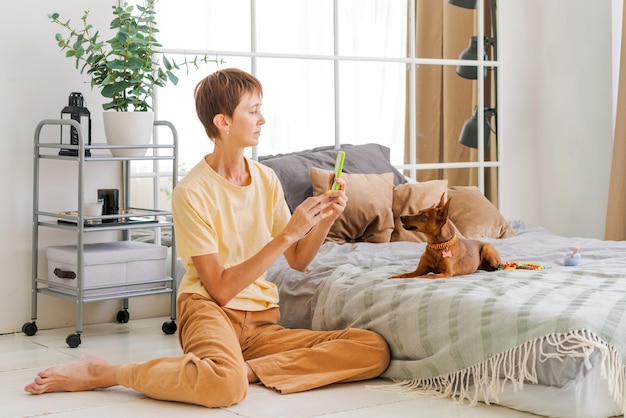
[(411, 62)]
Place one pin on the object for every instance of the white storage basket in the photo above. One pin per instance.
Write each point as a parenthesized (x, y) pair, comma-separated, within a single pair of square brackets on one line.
[(109, 263)]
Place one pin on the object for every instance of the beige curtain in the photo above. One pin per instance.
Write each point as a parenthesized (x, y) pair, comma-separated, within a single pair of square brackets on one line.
[(444, 100), (616, 212)]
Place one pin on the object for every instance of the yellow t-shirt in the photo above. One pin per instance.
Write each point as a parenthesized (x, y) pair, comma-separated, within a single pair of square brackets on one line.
[(212, 215)]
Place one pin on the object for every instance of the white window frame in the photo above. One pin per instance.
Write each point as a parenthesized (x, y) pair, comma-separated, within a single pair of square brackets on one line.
[(411, 62)]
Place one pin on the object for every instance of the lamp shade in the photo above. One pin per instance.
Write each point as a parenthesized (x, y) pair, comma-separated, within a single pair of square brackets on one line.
[(466, 4), (469, 132), (470, 53)]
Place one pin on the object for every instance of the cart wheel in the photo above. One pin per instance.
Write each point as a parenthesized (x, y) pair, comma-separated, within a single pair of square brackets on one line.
[(29, 329), (123, 316), (169, 327), (73, 340)]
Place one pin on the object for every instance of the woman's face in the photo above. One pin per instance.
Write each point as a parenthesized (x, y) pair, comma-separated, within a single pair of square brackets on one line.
[(247, 120)]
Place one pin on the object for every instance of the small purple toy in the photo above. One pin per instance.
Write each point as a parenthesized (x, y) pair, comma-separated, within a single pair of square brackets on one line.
[(573, 258)]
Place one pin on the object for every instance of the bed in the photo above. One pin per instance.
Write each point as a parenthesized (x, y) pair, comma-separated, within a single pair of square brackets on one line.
[(537, 335)]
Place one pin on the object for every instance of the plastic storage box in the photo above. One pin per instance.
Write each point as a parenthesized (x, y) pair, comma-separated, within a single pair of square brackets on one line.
[(108, 267)]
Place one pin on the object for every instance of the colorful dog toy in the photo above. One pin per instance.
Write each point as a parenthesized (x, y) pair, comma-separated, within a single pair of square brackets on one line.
[(513, 265)]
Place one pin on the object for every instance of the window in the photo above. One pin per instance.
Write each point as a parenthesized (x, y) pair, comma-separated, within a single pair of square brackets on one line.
[(333, 71)]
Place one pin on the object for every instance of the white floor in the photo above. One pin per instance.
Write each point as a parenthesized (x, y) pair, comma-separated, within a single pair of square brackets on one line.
[(21, 357)]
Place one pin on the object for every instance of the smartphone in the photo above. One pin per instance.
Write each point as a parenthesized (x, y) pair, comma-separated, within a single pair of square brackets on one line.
[(341, 156)]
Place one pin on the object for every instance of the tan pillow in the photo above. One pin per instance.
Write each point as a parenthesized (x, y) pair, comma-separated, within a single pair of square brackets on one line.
[(475, 216), (410, 198), (368, 216)]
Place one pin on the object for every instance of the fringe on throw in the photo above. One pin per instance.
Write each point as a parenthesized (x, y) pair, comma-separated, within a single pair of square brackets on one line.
[(484, 381)]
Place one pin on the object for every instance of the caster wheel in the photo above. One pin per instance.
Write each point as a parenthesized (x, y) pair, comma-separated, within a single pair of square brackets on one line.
[(169, 327), (29, 329), (123, 317), (73, 340)]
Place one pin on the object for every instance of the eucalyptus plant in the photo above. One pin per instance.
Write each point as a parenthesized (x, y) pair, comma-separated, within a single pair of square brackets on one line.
[(127, 66)]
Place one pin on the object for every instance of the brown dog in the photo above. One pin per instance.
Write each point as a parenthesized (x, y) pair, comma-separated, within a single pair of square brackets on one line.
[(447, 255)]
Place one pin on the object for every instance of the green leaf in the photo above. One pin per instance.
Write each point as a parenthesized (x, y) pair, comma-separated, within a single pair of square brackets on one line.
[(135, 64), (172, 78), (121, 36), (113, 89), (167, 63), (116, 64)]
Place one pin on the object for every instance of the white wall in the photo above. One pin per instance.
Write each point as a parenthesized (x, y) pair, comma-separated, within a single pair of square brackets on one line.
[(555, 124), (556, 113), (36, 80), (617, 13)]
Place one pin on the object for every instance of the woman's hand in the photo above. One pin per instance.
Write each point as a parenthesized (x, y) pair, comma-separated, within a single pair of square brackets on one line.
[(340, 200), (325, 208), (310, 223), (307, 215)]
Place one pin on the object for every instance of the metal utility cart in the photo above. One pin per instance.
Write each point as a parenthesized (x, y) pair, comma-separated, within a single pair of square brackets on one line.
[(81, 225)]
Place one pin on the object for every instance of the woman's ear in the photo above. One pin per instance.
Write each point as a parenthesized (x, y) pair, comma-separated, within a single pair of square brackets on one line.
[(221, 122)]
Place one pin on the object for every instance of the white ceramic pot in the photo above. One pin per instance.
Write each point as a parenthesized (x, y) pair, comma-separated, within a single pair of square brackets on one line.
[(128, 129)]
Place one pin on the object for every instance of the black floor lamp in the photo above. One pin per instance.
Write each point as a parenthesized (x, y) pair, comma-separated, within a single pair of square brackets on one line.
[(469, 132)]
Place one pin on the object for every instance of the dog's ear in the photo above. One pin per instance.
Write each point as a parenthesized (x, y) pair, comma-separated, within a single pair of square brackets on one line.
[(440, 204), (442, 212)]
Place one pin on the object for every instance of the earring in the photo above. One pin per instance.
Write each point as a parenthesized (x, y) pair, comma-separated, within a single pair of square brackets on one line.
[(228, 132)]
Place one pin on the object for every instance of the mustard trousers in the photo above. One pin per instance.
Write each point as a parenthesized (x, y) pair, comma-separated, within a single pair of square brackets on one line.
[(218, 342)]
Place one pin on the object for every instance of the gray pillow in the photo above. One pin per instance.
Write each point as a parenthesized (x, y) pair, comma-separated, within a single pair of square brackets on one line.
[(293, 169)]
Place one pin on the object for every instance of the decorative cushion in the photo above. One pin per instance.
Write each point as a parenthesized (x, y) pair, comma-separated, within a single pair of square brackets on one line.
[(475, 216), (368, 216), (409, 199), (293, 169)]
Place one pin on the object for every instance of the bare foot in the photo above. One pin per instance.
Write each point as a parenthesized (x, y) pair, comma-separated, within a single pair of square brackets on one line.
[(87, 374)]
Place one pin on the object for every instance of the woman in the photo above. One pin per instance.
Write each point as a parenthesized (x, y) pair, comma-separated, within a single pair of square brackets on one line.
[(232, 223)]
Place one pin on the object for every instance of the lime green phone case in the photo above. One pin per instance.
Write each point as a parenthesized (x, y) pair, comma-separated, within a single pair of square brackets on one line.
[(341, 156)]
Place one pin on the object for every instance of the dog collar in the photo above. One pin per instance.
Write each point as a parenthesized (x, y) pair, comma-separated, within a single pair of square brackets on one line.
[(445, 246)]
